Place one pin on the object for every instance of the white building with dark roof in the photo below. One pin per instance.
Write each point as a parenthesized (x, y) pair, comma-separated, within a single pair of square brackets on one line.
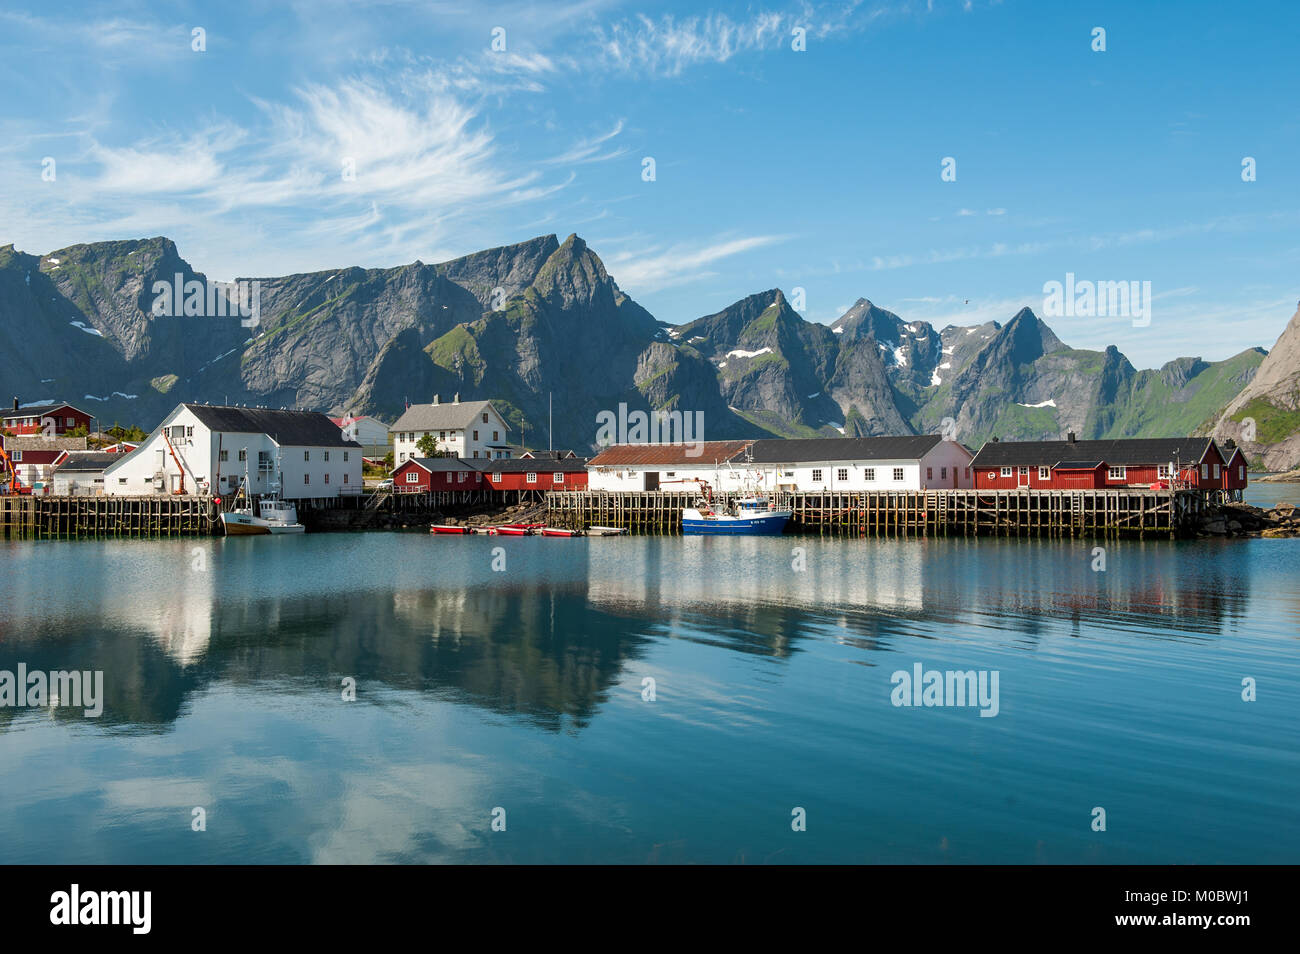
[(207, 449), (471, 429)]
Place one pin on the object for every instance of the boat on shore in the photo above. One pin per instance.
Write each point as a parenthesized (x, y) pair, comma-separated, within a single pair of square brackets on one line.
[(449, 528), (751, 516)]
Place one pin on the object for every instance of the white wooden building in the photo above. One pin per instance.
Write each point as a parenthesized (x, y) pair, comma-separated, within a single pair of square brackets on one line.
[(919, 462), (370, 432), (206, 449), (472, 429)]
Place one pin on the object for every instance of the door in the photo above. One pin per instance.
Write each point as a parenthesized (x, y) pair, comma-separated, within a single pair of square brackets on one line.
[(1022, 478), (652, 480)]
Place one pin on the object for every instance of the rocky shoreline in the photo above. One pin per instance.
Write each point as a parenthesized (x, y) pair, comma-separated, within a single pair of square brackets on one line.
[(1244, 520)]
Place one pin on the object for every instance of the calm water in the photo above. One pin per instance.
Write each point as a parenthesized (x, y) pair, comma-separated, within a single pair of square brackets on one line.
[(522, 690)]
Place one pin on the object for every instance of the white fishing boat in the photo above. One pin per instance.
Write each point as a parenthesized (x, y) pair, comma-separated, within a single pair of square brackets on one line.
[(750, 516), (273, 515)]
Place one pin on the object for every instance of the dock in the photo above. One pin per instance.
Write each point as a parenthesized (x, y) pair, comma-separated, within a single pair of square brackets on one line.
[(72, 517), (1131, 512)]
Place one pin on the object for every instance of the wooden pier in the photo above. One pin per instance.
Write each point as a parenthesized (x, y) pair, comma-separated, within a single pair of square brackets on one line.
[(51, 517), (1008, 513)]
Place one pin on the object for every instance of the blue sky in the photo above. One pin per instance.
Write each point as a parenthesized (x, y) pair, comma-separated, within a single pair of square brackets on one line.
[(817, 169)]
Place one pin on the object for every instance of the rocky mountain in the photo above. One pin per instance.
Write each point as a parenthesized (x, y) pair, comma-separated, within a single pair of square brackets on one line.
[(1264, 417), (523, 322)]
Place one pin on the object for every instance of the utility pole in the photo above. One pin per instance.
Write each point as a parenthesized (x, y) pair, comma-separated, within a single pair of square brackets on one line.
[(550, 443)]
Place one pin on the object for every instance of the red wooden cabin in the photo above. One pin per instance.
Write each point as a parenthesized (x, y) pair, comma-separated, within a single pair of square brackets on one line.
[(1189, 462), (32, 420), (437, 474)]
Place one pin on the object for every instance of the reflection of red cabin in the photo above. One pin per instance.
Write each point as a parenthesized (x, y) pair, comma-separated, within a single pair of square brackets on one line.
[(1192, 462), (32, 420), (438, 474)]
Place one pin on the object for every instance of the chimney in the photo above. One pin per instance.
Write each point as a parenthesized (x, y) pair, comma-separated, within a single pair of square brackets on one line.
[(435, 399), (1070, 437), (15, 403), (1230, 444), (996, 439)]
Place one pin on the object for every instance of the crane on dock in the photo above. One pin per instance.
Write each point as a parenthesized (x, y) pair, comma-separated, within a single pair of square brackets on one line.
[(13, 485)]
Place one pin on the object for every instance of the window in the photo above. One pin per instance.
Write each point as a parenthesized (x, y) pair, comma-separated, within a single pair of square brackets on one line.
[(306, 455), (1162, 471), (345, 460), (929, 473), (121, 480), (476, 435), (401, 457), (869, 474), (306, 478), (1116, 473), (1024, 471), (817, 475), (530, 478), (243, 455), (1205, 471), (1006, 471), (842, 474), (225, 456), (671, 473), (1241, 471), (327, 478), (189, 431), (943, 473), (557, 478), (327, 455), (1216, 471), (476, 453), (496, 477), (485, 420), (442, 435), (460, 477), (412, 477), (345, 478), (1044, 473), (495, 436), (447, 476), (72, 422), (18, 456), (898, 473)]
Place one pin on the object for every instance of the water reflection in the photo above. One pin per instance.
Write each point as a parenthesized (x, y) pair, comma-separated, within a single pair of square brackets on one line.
[(547, 640)]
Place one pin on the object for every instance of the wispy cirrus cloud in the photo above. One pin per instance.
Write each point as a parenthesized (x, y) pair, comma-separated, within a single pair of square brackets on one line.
[(655, 267)]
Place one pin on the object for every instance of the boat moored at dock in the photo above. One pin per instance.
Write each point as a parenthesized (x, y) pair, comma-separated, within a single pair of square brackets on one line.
[(750, 516)]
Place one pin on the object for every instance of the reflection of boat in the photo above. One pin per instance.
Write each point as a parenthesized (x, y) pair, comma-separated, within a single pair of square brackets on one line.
[(446, 528), (274, 515), (750, 516)]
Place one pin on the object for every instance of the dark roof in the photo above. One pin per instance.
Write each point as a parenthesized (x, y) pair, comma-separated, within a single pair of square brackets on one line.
[(286, 428), (36, 410), (524, 465), (87, 462), (1079, 464), (1131, 452), (704, 452), (912, 447), (549, 454), (438, 465)]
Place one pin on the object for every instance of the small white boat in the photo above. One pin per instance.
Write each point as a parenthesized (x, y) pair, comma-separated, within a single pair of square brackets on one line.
[(606, 531), (275, 516)]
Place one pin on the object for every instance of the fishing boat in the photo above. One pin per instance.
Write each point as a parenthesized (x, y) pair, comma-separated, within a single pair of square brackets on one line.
[(559, 532), (273, 516), (751, 516), (512, 531), (449, 528)]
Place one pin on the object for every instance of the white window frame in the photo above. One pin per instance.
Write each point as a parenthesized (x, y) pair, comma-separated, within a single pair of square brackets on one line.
[(412, 476), (530, 478), (817, 475), (1007, 472), (557, 477), (1044, 473), (1116, 473), (842, 473)]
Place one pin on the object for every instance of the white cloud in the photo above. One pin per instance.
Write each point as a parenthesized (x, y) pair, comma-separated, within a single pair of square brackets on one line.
[(658, 267)]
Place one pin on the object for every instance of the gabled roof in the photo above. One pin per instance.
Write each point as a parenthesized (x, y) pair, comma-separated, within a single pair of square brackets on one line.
[(911, 447), (345, 421), (286, 428), (440, 417), (527, 465), (438, 465), (36, 410), (548, 454), (704, 452), (1121, 452), (88, 462)]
